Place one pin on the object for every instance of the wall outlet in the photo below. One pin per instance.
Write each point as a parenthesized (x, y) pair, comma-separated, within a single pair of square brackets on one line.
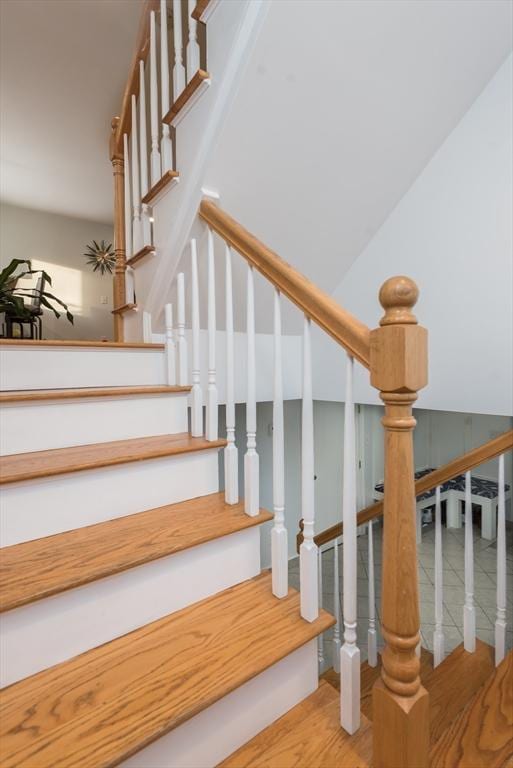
[(104, 300)]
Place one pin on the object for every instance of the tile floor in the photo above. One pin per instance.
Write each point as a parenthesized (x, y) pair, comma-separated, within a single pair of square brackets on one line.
[(485, 576)]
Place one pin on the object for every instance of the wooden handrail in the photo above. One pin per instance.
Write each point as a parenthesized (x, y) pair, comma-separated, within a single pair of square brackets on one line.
[(346, 329), (132, 85), (464, 463)]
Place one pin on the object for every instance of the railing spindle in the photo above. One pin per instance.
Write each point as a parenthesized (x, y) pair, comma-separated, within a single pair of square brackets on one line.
[(320, 638), (469, 611), (183, 364), (155, 169), (336, 609), (279, 546), (170, 345), (137, 236), (143, 151), (372, 641), (179, 69), (147, 329), (166, 147), (211, 430), (193, 51), (128, 199), (251, 460), (438, 635), (196, 393), (350, 653), (500, 622), (231, 454), (308, 552)]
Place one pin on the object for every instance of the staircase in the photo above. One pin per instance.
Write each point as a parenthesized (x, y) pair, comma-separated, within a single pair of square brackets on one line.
[(138, 626)]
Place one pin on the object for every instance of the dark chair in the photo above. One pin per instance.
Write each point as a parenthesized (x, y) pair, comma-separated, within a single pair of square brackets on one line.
[(35, 318)]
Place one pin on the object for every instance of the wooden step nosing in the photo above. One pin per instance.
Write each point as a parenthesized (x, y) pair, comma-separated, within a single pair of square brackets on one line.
[(101, 463), (124, 308), (158, 189), (88, 393), (135, 560), (146, 250), (199, 82)]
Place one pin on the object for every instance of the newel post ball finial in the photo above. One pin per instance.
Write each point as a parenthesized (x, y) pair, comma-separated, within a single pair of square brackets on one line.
[(398, 295)]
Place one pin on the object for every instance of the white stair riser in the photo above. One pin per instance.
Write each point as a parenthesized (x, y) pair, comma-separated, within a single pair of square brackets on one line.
[(39, 426), (37, 508), (80, 619), (219, 730), (65, 368)]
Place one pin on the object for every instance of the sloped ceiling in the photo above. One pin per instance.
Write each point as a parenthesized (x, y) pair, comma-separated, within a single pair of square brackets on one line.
[(63, 68), (341, 107)]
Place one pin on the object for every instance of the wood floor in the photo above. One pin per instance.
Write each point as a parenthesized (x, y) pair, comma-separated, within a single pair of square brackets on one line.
[(102, 706)]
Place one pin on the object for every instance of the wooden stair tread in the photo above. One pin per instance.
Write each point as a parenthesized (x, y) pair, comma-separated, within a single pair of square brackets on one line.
[(141, 254), (124, 308), (168, 178), (482, 734), (78, 343), (188, 92), (308, 736), (28, 466), (369, 675), (104, 705), (34, 395), (454, 682), (43, 567)]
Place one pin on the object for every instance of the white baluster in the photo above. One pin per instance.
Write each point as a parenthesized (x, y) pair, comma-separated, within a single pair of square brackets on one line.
[(193, 51), (196, 393), (179, 69), (128, 199), (166, 147), (147, 330), (211, 430), (469, 611), (279, 545), (438, 635), (320, 638), (143, 151), (336, 609), (372, 641), (500, 622), (349, 653), (308, 552), (154, 105), (231, 454), (137, 235), (170, 345), (251, 461), (183, 364)]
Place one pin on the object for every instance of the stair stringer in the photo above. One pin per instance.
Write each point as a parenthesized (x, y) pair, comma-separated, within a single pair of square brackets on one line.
[(196, 137)]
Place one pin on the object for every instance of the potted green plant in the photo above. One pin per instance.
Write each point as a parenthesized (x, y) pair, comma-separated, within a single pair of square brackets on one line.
[(12, 297)]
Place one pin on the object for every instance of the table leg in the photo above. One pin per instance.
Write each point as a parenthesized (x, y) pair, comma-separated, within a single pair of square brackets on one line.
[(488, 519), (453, 511)]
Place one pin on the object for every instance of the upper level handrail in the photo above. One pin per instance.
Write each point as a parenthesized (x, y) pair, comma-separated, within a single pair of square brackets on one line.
[(142, 47), (464, 463), (346, 329)]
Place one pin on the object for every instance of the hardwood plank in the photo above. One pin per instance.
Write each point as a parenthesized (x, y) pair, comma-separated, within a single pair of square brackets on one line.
[(78, 343), (482, 735), (28, 466), (454, 682), (123, 309), (308, 736), (141, 254), (103, 706), (188, 92), (37, 395), (40, 568), (167, 179), (323, 309)]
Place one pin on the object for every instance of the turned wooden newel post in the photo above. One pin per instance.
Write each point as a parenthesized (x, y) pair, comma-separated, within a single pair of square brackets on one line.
[(118, 167), (398, 364)]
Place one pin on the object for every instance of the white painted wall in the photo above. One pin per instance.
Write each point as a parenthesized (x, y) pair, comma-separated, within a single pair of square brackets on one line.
[(56, 243), (452, 233)]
